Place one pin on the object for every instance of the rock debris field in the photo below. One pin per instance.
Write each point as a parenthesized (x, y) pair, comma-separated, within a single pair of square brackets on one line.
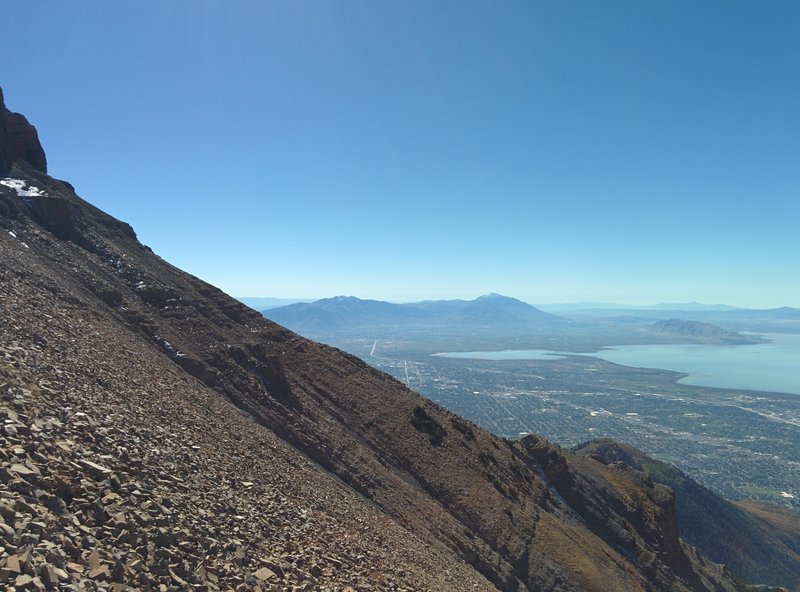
[(112, 482)]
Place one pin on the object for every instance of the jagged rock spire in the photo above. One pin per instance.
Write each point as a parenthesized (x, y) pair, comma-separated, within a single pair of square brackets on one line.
[(18, 141)]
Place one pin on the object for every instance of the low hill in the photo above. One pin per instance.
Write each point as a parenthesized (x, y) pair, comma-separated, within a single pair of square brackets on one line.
[(758, 542), (701, 332)]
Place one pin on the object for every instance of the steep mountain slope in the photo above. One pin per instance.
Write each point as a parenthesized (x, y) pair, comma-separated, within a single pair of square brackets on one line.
[(158, 432), (758, 542)]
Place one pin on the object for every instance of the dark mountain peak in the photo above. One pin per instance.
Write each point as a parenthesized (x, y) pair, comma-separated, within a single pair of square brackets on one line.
[(19, 140), (26, 191), (494, 297), (496, 300), (496, 308)]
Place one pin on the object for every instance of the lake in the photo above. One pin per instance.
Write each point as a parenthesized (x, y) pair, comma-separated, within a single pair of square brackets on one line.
[(773, 366)]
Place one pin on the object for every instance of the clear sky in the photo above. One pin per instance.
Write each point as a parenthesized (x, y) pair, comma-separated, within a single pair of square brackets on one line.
[(553, 151)]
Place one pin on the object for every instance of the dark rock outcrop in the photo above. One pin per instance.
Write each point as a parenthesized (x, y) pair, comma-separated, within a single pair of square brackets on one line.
[(18, 141), (619, 503), (753, 548)]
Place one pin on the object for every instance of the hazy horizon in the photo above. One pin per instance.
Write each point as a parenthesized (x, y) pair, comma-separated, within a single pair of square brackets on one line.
[(588, 303), (556, 152), (644, 302)]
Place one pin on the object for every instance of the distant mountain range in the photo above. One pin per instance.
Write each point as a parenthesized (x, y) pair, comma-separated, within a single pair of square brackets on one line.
[(584, 306), (768, 320), (264, 302), (502, 314), (687, 309), (349, 312), (690, 306)]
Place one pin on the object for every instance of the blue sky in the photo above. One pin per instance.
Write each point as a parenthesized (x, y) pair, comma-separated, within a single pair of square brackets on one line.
[(629, 151)]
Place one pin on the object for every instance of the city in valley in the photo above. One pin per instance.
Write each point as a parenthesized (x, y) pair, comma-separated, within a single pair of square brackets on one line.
[(741, 444)]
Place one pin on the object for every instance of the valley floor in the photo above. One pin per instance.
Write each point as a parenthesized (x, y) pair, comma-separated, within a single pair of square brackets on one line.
[(742, 444)]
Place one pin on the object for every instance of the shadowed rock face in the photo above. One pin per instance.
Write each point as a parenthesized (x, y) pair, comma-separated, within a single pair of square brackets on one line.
[(747, 537), (196, 443), (18, 141)]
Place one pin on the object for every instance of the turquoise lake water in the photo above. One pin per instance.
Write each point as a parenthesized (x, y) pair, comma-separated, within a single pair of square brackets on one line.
[(773, 366)]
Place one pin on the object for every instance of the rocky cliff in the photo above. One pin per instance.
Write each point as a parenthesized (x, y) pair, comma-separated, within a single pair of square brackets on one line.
[(18, 141), (157, 433), (759, 542)]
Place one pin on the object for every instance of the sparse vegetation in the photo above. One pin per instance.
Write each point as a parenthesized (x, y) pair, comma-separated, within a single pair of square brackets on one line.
[(428, 425), (462, 426), (498, 485), (513, 493), (487, 458)]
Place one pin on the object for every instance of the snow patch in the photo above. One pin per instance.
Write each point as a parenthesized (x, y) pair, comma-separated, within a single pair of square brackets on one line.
[(13, 234), (22, 188)]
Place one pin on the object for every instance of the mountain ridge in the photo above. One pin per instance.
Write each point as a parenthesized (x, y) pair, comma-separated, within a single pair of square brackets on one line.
[(349, 312)]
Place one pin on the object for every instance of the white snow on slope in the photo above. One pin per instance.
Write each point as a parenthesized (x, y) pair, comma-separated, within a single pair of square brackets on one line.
[(22, 188)]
